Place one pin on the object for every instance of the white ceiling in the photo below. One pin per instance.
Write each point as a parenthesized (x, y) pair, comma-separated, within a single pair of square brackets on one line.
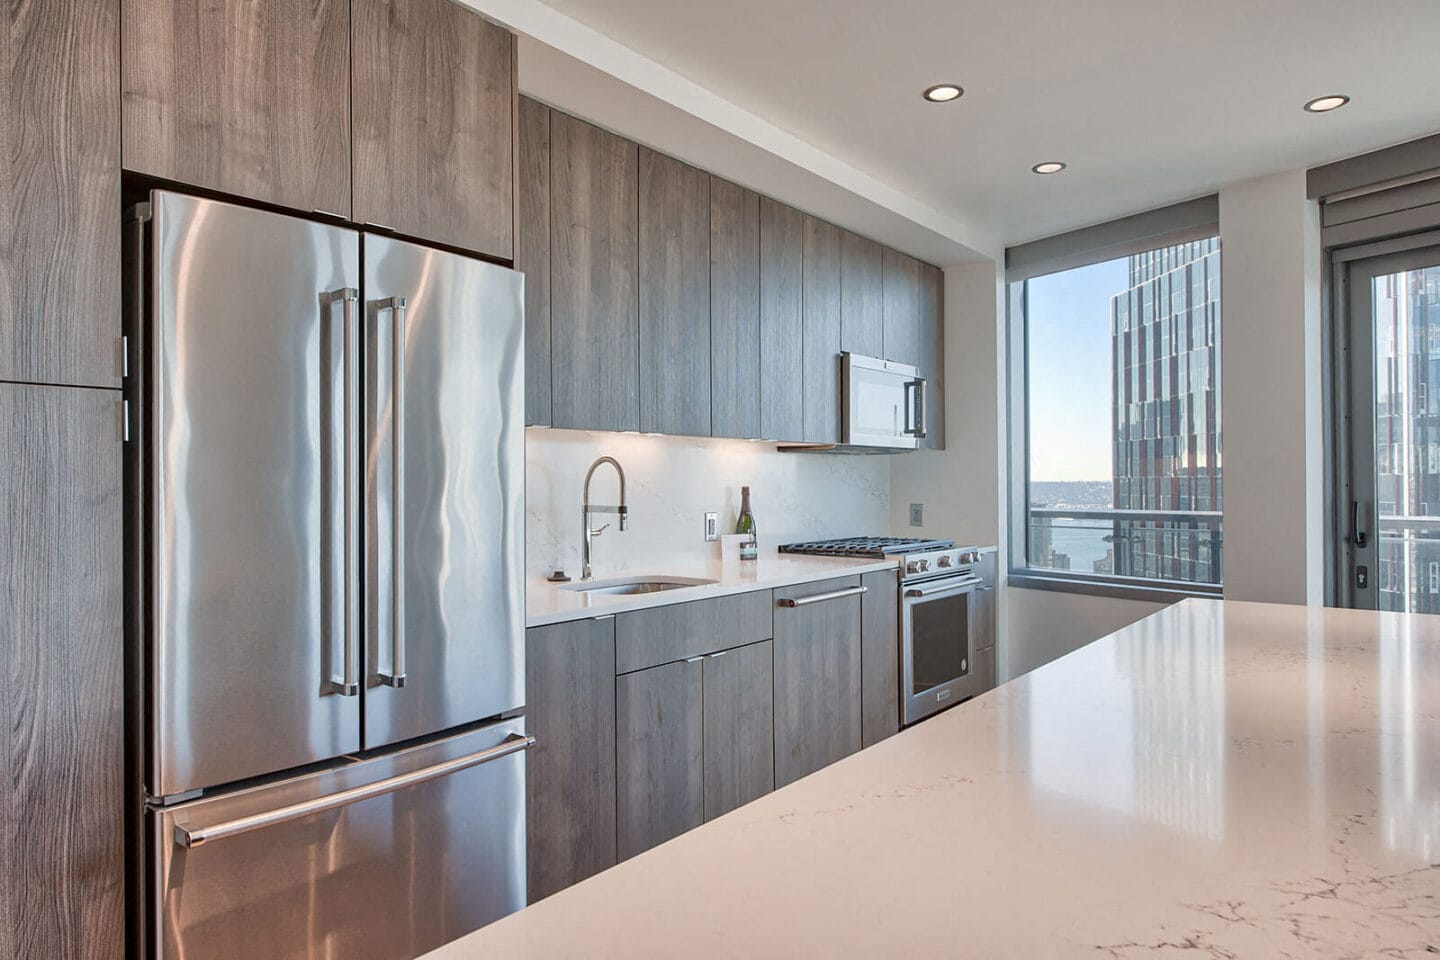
[(1148, 101)]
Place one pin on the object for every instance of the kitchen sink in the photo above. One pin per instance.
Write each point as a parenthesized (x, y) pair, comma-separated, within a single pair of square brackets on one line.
[(637, 585)]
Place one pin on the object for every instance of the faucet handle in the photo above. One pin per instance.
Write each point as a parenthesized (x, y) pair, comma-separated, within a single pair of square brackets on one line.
[(599, 530)]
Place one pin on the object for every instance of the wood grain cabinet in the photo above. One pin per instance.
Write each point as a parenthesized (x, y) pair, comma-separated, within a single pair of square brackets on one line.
[(817, 677), (820, 375), (61, 601), (595, 372), (532, 254), (735, 381), (914, 321), (879, 657), (659, 751), (674, 297), (739, 727), (60, 196), (247, 97), (862, 323), (434, 118), (782, 321), (570, 778)]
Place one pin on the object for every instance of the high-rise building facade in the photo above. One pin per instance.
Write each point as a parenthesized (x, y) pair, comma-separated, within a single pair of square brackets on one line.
[(1165, 331), (1406, 309)]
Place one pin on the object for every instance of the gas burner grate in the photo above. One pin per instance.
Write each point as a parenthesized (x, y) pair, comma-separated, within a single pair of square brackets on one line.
[(879, 547)]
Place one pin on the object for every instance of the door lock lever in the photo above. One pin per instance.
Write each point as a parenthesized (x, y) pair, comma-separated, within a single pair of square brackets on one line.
[(1357, 536)]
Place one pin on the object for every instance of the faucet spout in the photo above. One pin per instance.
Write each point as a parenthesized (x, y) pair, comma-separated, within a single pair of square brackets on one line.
[(587, 510)]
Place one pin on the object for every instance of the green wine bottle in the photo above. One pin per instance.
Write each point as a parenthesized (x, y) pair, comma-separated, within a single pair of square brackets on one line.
[(746, 525)]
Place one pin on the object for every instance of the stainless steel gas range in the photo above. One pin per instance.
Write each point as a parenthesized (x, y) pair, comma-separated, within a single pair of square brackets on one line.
[(947, 616)]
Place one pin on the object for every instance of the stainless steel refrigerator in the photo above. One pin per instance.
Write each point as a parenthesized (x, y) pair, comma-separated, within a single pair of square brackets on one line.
[(327, 510)]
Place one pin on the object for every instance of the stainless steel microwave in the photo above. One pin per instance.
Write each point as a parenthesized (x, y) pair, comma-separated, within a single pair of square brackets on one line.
[(882, 403)]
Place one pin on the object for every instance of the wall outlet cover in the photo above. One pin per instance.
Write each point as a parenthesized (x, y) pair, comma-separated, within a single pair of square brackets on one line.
[(712, 527), (917, 514)]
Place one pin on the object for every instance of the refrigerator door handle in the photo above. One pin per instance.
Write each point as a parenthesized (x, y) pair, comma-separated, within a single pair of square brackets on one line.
[(189, 835), (349, 684), (396, 676)]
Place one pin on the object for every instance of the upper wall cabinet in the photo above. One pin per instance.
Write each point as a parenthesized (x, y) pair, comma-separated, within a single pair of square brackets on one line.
[(674, 297), (915, 332), (735, 375), (434, 123), (595, 375), (244, 97), (782, 322), (862, 326), (821, 311), (60, 195), (532, 254)]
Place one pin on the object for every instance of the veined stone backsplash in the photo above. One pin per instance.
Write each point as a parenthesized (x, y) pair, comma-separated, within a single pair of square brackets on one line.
[(670, 484)]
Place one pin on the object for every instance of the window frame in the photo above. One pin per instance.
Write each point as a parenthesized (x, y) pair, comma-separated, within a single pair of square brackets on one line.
[(1017, 361)]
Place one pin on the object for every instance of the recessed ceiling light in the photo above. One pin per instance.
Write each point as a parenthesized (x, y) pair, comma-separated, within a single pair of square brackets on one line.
[(1049, 166), (943, 93), (1324, 104)]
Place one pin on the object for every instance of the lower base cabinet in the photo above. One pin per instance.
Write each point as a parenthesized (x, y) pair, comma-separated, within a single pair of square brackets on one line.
[(817, 676), (693, 741), (570, 776)]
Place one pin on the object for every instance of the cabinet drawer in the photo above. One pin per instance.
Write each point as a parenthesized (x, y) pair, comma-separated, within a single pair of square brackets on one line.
[(679, 631)]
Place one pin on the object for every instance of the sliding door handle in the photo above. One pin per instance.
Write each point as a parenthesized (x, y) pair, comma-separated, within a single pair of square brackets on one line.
[(1358, 537)]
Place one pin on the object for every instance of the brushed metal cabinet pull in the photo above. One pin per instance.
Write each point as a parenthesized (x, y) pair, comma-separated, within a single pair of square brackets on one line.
[(821, 597)]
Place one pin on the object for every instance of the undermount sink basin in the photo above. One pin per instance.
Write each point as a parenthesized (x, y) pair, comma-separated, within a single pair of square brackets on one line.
[(637, 585)]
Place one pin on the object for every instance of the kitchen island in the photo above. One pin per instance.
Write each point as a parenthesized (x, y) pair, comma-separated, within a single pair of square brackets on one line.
[(1221, 779)]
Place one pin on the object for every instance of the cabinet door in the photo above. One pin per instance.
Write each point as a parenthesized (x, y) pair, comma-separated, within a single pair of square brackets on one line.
[(674, 297), (739, 727), (862, 315), (60, 196), (782, 324), (61, 687), (902, 308), (880, 657), (821, 375), (595, 371), (659, 754), (248, 97), (434, 112), (932, 353), (532, 255), (817, 678), (735, 388), (570, 784)]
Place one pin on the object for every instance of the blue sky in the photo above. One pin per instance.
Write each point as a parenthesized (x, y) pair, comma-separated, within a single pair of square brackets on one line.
[(1070, 371)]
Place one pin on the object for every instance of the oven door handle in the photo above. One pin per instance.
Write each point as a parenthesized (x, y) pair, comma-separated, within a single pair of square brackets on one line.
[(966, 583)]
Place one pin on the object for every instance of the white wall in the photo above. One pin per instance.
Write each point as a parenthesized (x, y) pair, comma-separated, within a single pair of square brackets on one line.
[(1271, 393), (1045, 624), (673, 481)]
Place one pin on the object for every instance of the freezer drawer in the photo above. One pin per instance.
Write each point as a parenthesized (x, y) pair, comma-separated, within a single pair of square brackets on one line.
[(401, 870)]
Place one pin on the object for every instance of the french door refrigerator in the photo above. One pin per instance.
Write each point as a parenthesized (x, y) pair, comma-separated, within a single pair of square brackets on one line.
[(327, 510)]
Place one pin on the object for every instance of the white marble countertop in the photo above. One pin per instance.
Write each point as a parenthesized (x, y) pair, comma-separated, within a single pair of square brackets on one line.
[(547, 602), (1218, 780)]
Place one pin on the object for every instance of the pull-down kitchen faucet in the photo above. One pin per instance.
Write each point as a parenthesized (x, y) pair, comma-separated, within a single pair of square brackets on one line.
[(586, 510)]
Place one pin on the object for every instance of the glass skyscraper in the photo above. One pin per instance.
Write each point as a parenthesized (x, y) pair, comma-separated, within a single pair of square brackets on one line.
[(1165, 333)]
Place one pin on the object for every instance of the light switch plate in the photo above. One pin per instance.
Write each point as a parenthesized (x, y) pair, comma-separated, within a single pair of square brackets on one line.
[(712, 526), (917, 514)]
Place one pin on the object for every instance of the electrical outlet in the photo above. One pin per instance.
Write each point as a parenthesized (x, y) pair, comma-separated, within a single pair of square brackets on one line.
[(917, 514), (712, 527)]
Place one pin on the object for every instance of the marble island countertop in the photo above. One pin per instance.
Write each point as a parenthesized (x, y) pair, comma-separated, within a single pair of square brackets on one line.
[(547, 602), (1218, 780)]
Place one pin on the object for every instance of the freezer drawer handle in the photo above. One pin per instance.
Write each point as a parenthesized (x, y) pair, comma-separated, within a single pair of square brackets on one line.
[(821, 597), (193, 836), (396, 676)]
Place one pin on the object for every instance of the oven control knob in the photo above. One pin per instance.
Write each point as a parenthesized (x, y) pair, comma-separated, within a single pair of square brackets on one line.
[(912, 567), (924, 564), (945, 560)]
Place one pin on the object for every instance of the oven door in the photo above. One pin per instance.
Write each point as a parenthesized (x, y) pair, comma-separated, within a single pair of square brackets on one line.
[(938, 621)]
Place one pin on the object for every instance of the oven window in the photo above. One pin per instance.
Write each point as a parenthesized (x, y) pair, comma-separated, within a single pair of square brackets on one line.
[(940, 632)]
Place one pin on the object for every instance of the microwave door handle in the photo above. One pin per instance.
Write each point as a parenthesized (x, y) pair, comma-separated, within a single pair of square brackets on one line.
[(915, 408)]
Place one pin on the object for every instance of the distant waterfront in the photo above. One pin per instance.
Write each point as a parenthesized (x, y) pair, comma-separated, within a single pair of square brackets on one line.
[(1082, 540)]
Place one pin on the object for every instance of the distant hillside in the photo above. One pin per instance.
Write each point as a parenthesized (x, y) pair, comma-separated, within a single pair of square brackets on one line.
[(1090, 494)]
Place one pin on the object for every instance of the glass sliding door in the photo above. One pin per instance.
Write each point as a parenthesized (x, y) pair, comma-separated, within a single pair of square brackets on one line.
[(1390, 551)]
